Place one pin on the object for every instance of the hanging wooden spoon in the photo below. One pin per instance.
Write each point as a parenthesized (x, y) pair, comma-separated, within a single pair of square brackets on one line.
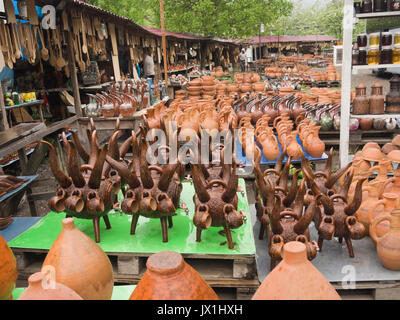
[(45, 51), (60, 60), (10, 45), (53, 59), (3, 37)]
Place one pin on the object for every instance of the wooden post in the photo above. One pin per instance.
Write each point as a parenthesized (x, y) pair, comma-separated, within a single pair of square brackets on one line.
[(346, 82), (164, 42), (23, 160), (3, 114)]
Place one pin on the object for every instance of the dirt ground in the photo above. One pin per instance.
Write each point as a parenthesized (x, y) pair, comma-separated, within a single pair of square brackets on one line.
[(46, 181)]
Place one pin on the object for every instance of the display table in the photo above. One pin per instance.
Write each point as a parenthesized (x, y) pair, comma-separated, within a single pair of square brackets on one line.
[(349, 276), (219, 265)]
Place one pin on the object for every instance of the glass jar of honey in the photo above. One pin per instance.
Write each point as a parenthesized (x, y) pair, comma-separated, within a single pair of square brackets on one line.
[(386, 56), (396, 54), (362, 40), (397, 38), (387, 39), (362, 57), (373, 56), (374, 40)]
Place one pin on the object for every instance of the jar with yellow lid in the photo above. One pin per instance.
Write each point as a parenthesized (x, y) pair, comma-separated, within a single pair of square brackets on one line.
[(373, 55), (374, 40), (396, 54), (397, 39)]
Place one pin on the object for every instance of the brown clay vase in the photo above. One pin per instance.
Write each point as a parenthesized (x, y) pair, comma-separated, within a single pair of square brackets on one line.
[(315, 146), (295, 278), (388, 246), (80, 264), (169, 277), (41, 288), (389, 203), (8, 271)]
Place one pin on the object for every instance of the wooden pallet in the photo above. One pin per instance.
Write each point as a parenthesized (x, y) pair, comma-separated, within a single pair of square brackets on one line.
[(380, 290), (218, 270)]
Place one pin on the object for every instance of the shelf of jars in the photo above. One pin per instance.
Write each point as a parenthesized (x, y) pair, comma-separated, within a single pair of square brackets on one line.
[(375, 116), (377, 66)]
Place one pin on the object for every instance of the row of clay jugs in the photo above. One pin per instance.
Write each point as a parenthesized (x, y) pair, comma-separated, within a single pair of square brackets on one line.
[(388, 244), (77, 262), (169, 277), (8, 271), (295, 278)]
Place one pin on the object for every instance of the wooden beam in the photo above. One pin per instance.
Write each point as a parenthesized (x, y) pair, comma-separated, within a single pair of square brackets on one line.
[(164, 42), (3, 113)]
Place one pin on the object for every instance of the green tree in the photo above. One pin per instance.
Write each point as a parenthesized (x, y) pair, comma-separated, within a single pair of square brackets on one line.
[(220, 18), (140, 11), (323, 18)]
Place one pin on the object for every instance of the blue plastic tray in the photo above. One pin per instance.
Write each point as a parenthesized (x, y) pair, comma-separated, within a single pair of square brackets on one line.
[(13, 192), (242, 157)]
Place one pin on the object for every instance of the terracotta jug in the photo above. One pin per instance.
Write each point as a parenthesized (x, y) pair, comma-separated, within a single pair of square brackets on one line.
[(293, 148), (389, 203), (41, 288), (372, 190), (295, 278), (270, 146), (80, 264), (388, 246), (315, 146), (169, 277), (8, 271)]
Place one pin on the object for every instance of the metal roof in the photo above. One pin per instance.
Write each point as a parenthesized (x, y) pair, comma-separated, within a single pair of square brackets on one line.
[(275, 39)]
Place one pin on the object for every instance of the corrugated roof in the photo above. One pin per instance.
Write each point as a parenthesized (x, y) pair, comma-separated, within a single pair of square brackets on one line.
[(274, 39), (157, 32)]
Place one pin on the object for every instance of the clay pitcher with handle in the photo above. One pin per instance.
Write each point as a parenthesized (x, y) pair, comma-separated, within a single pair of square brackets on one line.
[(389, 203), (388, 246)]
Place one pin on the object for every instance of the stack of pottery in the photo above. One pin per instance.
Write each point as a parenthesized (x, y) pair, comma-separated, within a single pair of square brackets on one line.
[(194, 88), (209, 88), (8, 271), (331, 73), (259, 87), (180, 94), (221, 90)]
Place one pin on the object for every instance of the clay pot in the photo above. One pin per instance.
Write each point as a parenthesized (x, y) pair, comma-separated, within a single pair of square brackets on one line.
[(389, 203), (394, 156), (284, 282), (396, 141), (54, 291), (366, 124), (388, 246), (371, 145), (389, 147), (372, 154), (8, 271), (80, 264), (169, 277)]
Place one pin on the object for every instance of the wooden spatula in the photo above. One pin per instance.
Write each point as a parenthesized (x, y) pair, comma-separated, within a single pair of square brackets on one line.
[(10, 11), (32, 14)]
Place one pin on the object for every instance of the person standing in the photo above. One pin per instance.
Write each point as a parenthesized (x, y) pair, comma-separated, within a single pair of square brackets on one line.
[(148, 63), (243, 58)]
